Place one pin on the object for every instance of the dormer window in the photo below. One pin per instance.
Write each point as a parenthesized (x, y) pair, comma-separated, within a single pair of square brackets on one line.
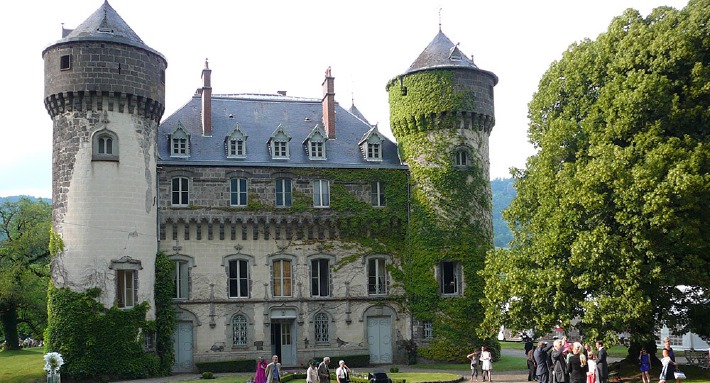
[(236, 144), (105, 146), (180, 142), (278, 144), (315, 144), (371, 145)]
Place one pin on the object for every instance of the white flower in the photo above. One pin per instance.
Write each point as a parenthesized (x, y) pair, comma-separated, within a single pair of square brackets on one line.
[(52, 362)]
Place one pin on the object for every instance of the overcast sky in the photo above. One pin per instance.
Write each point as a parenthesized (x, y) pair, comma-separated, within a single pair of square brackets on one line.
[(266, 46)]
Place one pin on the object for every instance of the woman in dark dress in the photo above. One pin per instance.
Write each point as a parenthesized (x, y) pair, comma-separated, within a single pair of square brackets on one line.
[(576, 366), (670, 369)]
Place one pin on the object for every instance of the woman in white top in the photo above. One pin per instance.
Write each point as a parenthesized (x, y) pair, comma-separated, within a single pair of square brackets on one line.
[(486, 363), (343, 372), (312, 373), (592, 371)]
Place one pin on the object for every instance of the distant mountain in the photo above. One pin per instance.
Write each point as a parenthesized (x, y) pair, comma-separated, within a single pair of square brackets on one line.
[(503, 194), (15, 198)]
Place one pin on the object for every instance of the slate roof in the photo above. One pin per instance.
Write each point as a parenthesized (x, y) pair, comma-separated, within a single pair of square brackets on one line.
[(443, 53), (258, 116), (105, 24)]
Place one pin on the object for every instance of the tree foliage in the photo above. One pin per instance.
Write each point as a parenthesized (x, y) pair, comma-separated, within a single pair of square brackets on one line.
[(610, 219), (24, 259)]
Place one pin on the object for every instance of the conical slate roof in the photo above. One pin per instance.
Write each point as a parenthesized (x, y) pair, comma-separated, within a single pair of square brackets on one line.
[(105, 24), (441, 53)]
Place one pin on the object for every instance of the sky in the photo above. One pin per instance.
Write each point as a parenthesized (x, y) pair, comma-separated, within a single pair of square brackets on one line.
[(267, 46)]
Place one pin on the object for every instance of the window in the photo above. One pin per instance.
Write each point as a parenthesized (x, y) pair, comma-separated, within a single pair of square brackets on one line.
[(320, 283), (283, 192), (428, 330), (278, 143), (371, 145), (449, 278), (237, 148), (238, 278), (373, 151), (321, 193), (282, 278), (377, 194), (280, 149), (239, 330), (316, 152), (321, 326), (149, 341), (238, 192), (126, 288), (461, 157), (105, 146), (181, 278), (65, 62), (315, 143), (180, 191), (376, 276), (179, 142)]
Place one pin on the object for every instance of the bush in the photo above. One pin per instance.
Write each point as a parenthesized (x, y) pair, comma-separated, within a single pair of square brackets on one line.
[(244, 365), (207, 375), (445, 352)]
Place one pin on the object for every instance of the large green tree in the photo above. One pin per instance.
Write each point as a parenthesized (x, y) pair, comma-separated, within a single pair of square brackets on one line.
[(610, 221), (24, 267)]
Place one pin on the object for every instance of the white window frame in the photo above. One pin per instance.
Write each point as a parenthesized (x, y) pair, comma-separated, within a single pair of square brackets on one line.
[(241, 194), (374, 151), (321, 193), (377, 276), (377, 194), (181, 277), (126, 288), (320, 284), (240, 279), (239, 330), (182, 193), (427, 330), (179, 143), (282, 278), (283, 198)]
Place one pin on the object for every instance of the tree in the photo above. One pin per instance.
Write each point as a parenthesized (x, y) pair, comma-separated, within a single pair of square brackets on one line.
[(24, 266), (610, 219)]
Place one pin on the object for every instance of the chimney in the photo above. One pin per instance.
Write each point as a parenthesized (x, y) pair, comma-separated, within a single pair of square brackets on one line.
[(329, 104), (207, 100)]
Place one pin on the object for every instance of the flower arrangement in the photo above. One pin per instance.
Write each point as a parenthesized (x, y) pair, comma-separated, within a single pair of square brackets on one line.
[(53, 362)]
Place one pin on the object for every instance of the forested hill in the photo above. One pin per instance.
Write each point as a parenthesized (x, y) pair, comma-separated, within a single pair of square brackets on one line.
[(503, 193)]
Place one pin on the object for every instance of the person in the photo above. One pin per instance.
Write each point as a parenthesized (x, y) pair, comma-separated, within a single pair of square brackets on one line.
[(324, 371), (577, 364), (592, 367), (666, 363), (312, 372), (473, 357), (540, 355), (528, 343), (671, 364), (531, 365), (559, 369), (645, 365), (486, 364), (342, 373), (602, 366), (260, 375), (273, 370)]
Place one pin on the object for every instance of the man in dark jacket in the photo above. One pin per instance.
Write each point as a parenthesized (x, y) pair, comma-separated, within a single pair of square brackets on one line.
[(559, 365), (602, 366), (540, 356)]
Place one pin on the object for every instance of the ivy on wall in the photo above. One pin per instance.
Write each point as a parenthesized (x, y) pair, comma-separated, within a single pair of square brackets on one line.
[(449, 205)]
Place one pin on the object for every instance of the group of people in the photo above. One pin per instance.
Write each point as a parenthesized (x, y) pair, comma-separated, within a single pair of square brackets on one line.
[(563, 362), (318, 372), (484, 358)]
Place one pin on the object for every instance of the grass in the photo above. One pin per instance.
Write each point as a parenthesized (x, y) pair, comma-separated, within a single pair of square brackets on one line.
[(22, 366), (506, 363), (410, 377)]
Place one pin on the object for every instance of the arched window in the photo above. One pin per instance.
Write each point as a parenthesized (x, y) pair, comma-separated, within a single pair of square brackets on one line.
[(105, 146), (321, 327), (462, 157), (239, 330)]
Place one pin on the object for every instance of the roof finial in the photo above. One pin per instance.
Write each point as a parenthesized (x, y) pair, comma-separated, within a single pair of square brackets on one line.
[(207, 65), (439, 19)]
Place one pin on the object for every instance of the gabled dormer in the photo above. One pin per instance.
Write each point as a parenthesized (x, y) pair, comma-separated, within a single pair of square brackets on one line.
[(371, 145), (235, 144), (278, 144), (314, 144), (180, 142)]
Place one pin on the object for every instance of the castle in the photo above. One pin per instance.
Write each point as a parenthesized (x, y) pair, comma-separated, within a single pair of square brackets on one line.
[(295, 226)]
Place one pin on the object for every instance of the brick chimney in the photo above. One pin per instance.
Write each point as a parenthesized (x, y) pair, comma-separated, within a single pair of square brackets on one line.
[(206, 100), (329, 104)]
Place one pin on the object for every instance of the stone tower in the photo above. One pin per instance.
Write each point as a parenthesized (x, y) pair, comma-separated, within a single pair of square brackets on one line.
[(105, 92), (441, 112)]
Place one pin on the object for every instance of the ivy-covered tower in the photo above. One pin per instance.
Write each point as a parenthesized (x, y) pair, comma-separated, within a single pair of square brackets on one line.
[(105, 92), (441, 112)]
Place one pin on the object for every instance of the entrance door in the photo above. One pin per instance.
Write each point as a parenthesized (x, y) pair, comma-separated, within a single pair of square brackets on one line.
[(182, 345), (282, 341), (379, 339)]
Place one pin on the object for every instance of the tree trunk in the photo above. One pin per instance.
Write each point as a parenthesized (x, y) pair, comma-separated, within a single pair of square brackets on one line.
[(635, 351), (9, 326)]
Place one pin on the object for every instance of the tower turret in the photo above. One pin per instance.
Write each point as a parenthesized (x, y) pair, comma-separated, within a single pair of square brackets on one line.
[(441, 112), (105, 93)]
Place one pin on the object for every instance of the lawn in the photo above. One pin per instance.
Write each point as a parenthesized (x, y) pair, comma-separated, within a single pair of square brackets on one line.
[(410, 377), (22, 366), (506, 363)]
